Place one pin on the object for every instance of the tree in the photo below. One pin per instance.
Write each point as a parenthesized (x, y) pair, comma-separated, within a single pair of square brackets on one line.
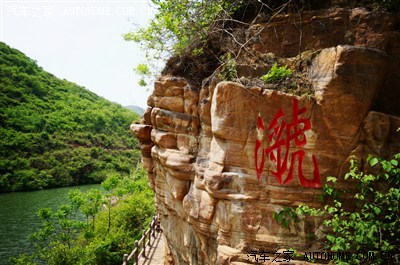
[(186, 31), (178, 25), (65, 238), (91, 205)]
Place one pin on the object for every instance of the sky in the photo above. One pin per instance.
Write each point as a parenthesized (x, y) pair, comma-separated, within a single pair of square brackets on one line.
[(81, 41)]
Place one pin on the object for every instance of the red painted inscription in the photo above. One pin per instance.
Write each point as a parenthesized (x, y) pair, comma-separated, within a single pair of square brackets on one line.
[(280, 135)]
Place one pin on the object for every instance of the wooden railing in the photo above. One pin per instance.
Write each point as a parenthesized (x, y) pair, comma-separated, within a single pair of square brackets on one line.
[(148, 238)]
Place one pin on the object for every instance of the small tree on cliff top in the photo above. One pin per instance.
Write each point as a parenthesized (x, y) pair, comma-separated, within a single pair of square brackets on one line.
[(178, 23), (187, 28), (174, 27)]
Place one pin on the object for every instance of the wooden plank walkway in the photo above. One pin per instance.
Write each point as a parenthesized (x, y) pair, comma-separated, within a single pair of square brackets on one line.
[(154, 254), (150, 248)]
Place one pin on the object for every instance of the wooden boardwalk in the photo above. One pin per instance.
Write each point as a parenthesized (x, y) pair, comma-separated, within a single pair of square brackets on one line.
[(150, 248), (154, 254)]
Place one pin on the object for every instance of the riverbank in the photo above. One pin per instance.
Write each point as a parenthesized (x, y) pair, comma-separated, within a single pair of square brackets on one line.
[(18, 217)]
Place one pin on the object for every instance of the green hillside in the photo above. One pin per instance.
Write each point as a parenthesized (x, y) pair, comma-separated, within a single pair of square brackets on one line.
[(55, 133), (138, 110)]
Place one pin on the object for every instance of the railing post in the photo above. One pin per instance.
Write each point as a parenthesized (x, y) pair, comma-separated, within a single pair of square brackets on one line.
[(125, 259), (158, 224), (153, 222), (153, 229), (149, 236), (135, 255), (144, 243)]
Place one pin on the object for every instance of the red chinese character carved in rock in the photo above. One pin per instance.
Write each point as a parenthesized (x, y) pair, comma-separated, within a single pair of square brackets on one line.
[(280, 135)]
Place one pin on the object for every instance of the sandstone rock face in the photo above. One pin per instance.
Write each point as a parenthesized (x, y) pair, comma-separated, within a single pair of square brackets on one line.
[(287, 34), (323, 29), (222, 159)]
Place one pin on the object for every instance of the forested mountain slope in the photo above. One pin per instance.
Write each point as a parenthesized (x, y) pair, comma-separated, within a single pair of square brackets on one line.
[(56, 133), (138, 110)]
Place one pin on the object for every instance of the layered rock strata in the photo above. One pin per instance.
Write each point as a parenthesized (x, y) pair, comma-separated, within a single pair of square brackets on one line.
[(223, 158)]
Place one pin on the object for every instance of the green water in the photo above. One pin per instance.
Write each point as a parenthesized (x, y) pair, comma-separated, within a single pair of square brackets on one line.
[(18, 217)]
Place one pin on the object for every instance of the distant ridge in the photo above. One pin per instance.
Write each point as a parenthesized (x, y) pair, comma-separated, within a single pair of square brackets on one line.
[(138, 110)]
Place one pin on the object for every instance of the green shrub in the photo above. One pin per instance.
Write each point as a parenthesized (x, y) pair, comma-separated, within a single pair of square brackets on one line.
[(228, 70), (276, 74), (368, 221)]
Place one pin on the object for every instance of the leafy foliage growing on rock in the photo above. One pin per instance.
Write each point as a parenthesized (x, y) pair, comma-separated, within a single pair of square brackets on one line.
[(370, 220), (276, 74)]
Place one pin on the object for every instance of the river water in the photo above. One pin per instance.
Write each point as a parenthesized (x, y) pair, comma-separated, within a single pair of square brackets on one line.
[(18, 217)]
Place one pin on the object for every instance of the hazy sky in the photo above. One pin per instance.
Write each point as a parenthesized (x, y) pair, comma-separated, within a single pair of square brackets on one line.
[(81, 41)]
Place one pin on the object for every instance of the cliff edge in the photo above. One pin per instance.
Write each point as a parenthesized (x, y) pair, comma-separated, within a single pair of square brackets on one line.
[(223, 156)]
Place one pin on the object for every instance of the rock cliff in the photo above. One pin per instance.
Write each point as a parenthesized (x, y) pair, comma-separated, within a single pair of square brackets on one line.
[(222, 158)]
